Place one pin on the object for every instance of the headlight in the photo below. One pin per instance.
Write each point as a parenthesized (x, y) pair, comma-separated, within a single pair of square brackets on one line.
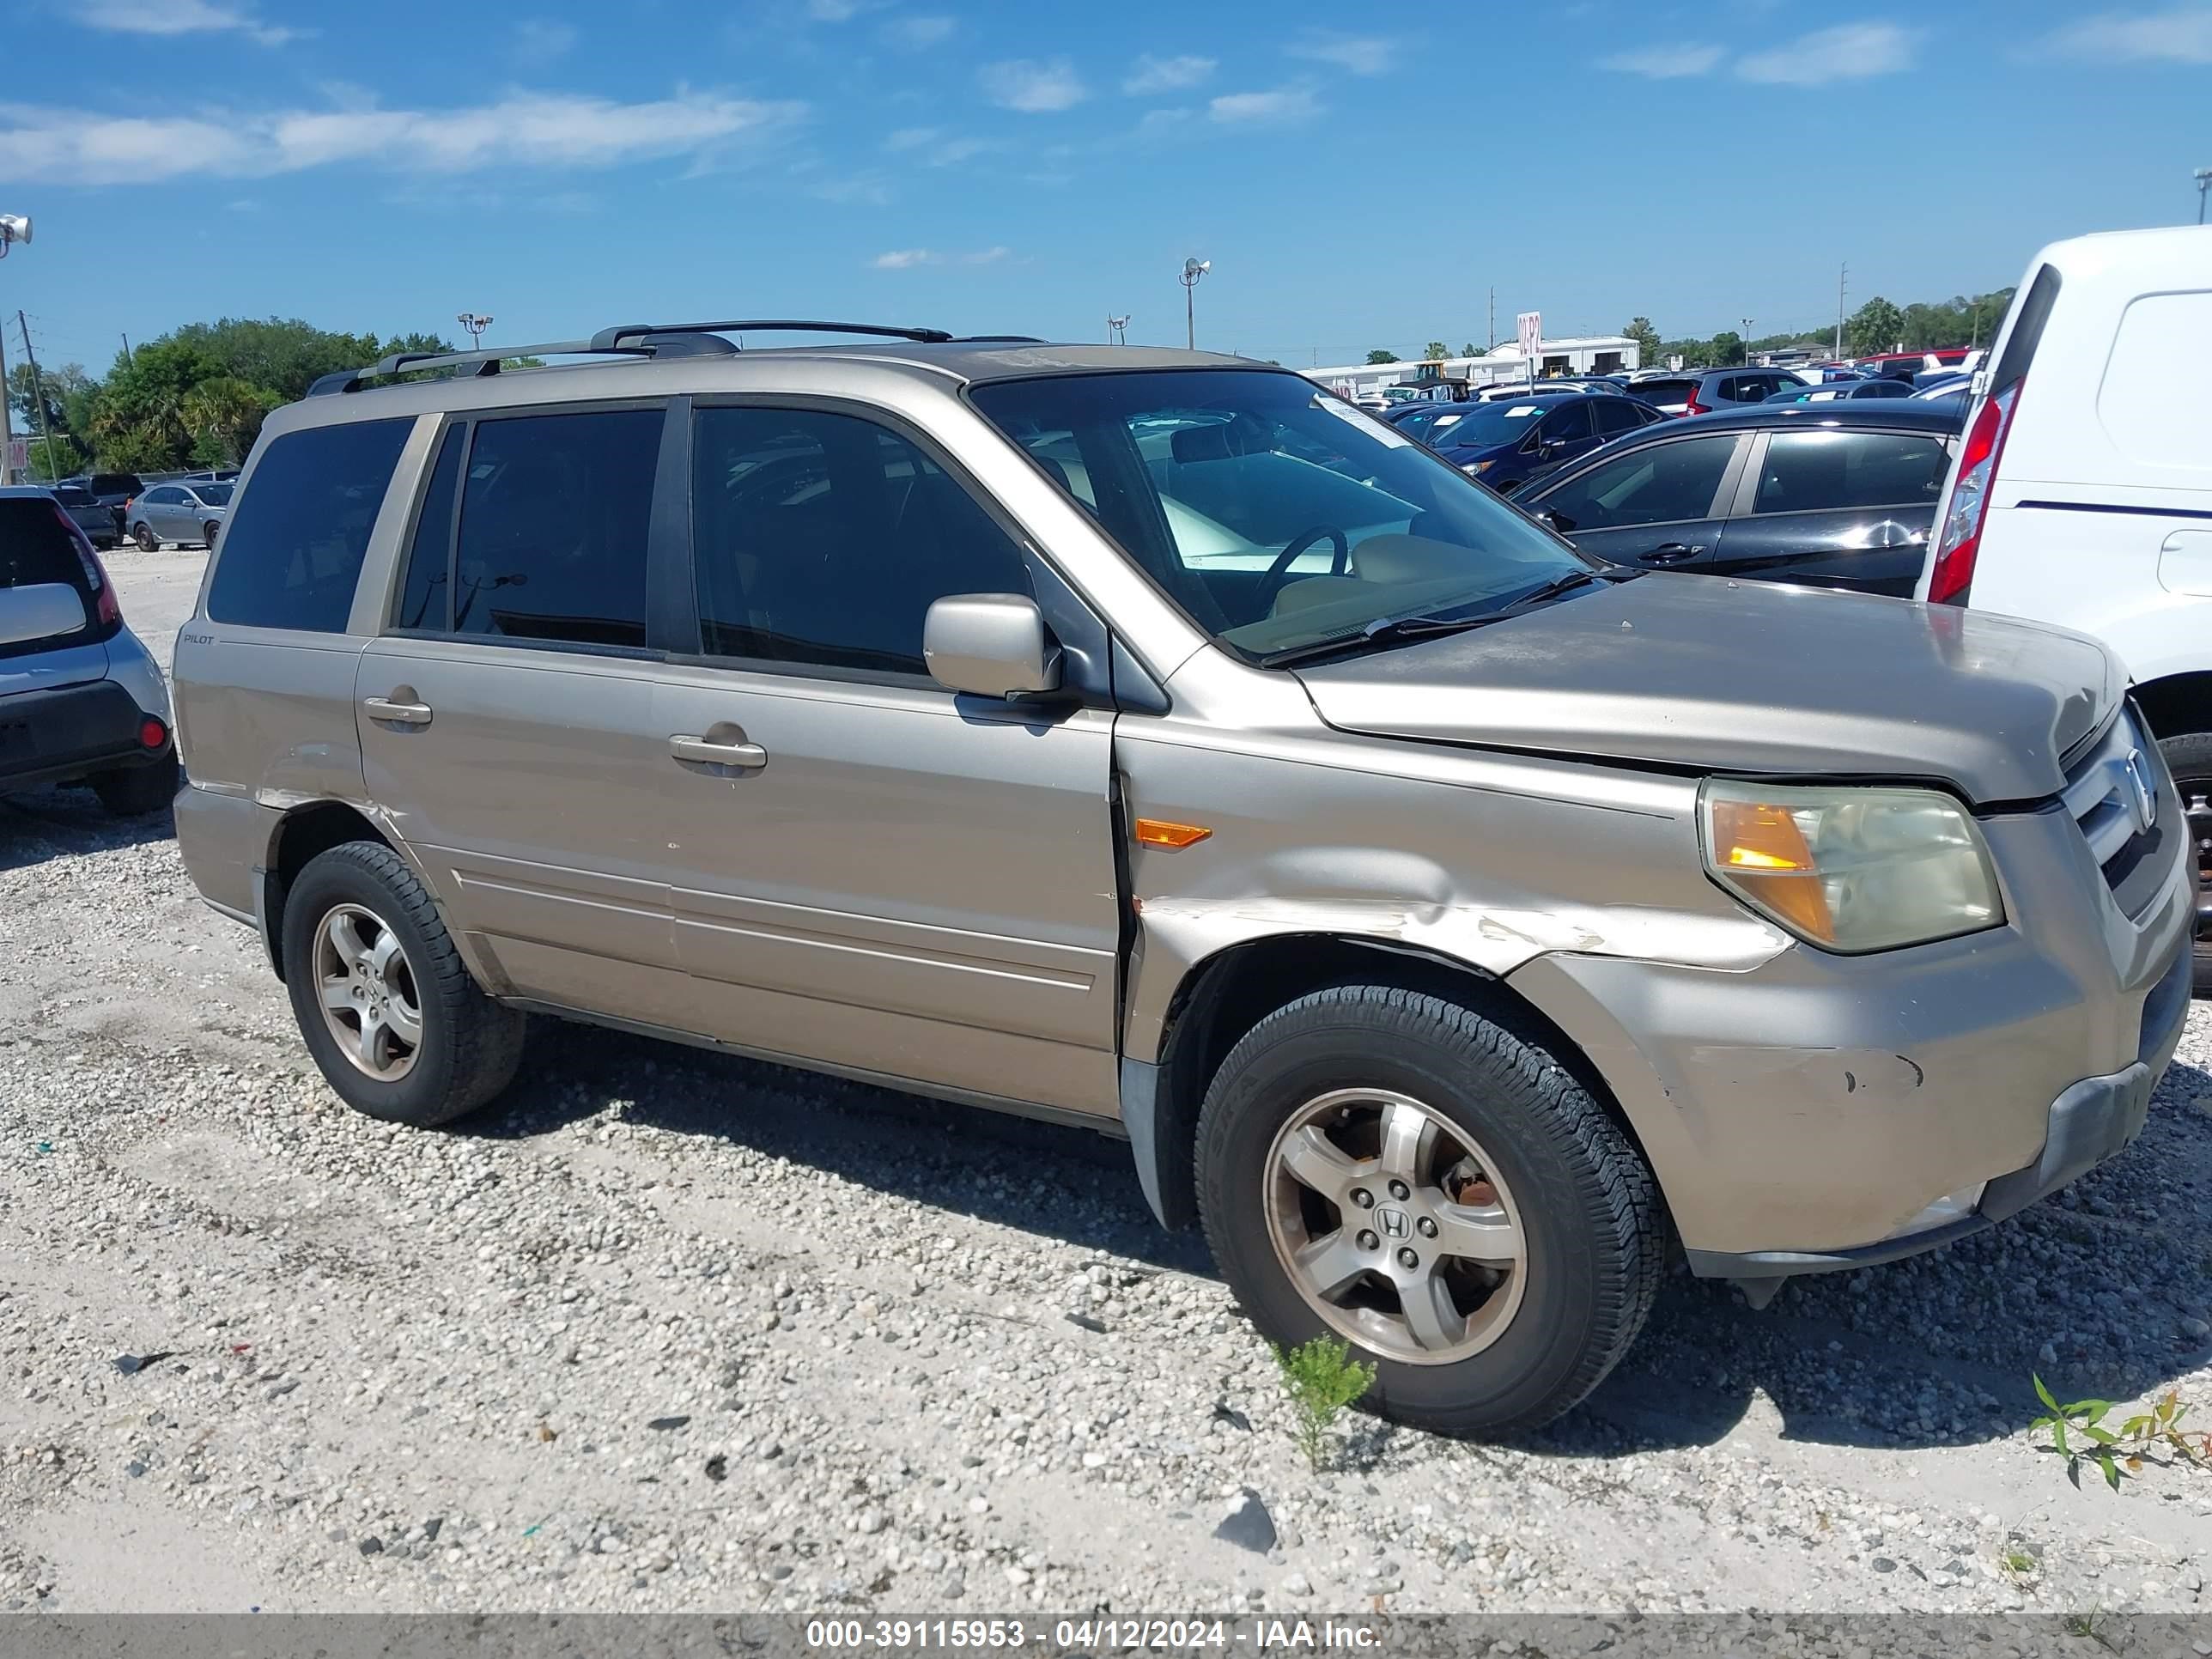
[(1477, 466), (1850, 870)]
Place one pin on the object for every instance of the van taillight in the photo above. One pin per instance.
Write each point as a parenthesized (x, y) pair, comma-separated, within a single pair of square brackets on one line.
[(96, 573), (1961, 538), (1692, 406)]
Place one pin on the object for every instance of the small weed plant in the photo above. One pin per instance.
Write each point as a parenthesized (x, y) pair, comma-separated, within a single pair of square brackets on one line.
[(2078, 1434), (1321, 1379)]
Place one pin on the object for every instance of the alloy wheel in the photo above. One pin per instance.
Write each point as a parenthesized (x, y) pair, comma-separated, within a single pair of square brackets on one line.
[(367, 988), (1395, 1226)]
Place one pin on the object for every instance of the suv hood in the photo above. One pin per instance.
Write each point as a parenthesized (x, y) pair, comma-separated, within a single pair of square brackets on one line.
[(1710, 674)]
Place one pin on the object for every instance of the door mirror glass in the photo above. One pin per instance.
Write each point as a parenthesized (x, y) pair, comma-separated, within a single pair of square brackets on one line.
[(992, 645)]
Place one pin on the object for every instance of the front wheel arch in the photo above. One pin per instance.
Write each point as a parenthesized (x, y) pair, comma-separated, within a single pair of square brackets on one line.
[(1222, 996)]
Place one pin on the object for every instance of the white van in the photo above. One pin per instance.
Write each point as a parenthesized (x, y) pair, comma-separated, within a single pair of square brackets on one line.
[(2083, 495)]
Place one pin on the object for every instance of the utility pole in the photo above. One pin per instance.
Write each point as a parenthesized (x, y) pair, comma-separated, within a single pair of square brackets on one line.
[(2203, 176), (38, 396), (6, 435), (1842, 272)]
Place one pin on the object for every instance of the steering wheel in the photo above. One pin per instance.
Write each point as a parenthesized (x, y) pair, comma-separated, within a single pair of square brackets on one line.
[(1279, 573)]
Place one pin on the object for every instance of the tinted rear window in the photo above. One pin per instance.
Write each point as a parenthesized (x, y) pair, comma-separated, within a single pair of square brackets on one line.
[(35, 548), (1664, 391), (292, 552), (2027, 330), (115, 483), (554, 515)]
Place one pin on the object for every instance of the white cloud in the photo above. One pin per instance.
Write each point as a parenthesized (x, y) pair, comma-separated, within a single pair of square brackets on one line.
[(521, 129), (2180, 34), (912, 138), (833, 11), (1848, 51), (1666, 63), (989, 256), (1357, 54), (1281, 106), (914, 33), (1152, 74), (904, 258), (1032, 88), (178, 17), (1158, 123), (860, 189), (539, 40), (953, 151)]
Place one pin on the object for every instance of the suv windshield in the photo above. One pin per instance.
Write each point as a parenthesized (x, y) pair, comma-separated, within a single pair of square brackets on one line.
[(1275, 514)]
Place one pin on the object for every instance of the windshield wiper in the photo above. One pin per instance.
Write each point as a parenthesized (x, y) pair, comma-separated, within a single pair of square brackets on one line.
[(1417, 625)]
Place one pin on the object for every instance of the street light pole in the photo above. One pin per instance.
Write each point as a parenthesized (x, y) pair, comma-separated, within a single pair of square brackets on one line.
[(2203, 182), (14, 227), (1192, 270), (475, 322), (1747, 342)]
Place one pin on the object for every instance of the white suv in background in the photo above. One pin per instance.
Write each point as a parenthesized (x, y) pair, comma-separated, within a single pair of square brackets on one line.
[(2083, 495)]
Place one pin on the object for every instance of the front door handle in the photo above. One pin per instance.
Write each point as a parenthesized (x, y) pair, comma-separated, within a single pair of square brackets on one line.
[(749, 755), (400, 714), (1671, 553)]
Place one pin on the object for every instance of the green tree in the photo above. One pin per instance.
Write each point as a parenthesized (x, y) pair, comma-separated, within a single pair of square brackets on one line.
[(1437, 353), (224, 415), (1468, 350), (1639, 330), (1877, 326), (138, 421), (281, 355), (1379, 355), (1725, 349)]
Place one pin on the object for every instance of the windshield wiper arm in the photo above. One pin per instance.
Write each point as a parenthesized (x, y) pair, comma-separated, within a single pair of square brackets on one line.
[(1417, 625)]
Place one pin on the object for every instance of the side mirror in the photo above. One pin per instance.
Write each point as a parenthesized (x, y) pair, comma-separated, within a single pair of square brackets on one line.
[(990, 645)]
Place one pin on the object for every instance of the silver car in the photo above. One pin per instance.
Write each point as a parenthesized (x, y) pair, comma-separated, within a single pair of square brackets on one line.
[(1152, 741), (80, 701), (177, 513)]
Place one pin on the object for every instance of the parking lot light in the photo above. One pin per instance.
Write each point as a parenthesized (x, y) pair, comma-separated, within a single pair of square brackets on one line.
[(1192, 270)]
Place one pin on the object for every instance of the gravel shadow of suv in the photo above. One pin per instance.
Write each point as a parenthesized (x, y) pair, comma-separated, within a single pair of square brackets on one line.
[(1151, 741)]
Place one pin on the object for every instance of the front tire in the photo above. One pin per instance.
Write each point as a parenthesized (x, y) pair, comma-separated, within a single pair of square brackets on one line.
[(401, 1031), (1400, 1172), (2189, 757), (208, 532)]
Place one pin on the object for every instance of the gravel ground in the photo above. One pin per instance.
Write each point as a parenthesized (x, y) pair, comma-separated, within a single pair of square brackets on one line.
[(673, 1331)]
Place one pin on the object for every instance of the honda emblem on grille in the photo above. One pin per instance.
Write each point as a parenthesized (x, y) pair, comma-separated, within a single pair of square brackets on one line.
[(2146, 792)]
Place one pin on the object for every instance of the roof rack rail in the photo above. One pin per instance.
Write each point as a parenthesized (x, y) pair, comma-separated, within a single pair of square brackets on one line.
[(1000, 339), (486, 362), (627, 334)]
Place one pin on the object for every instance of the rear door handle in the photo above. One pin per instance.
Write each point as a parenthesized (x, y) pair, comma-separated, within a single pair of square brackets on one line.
[(1671, 553), (749, 755), (400, 714)]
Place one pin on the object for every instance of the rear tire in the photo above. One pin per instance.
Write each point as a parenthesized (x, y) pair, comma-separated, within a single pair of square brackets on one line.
[(148, 541), (207, 532), (133, 791), (1517, 1140), (2189, 756), (465, 1047)]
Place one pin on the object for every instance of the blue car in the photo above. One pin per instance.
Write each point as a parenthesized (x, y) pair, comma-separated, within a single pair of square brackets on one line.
[(1506, 443)]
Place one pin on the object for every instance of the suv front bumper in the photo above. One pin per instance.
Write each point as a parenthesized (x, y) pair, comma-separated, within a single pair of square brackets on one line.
[(1820, 1112)]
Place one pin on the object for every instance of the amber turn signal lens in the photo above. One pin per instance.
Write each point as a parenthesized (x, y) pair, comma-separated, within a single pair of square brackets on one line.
[(1159, 832), (1760, 849)]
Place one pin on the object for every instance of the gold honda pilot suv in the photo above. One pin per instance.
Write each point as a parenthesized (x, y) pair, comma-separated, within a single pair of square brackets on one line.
[(1152, 741)]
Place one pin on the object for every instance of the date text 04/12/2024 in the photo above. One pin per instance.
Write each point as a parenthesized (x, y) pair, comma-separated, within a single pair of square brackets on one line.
[(1092, 1635)]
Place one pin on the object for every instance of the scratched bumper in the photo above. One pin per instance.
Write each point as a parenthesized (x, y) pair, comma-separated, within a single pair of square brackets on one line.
[(1823, 1111)]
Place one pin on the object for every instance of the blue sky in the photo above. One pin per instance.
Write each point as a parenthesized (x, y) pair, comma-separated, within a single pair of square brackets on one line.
[(990, 166)]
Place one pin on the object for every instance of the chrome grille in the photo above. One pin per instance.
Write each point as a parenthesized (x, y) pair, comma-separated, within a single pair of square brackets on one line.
[(2112, 794)]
